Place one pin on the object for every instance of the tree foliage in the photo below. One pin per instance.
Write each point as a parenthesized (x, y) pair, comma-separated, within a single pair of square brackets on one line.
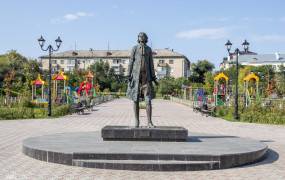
[(16, 73), (172, 86), (199, 69), (209, 82), (107, 78)]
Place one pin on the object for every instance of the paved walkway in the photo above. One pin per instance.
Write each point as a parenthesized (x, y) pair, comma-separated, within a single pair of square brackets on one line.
[(15, 165)]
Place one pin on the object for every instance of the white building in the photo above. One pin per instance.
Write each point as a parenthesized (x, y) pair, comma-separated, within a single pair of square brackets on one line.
[(252, 59), (166, 61)]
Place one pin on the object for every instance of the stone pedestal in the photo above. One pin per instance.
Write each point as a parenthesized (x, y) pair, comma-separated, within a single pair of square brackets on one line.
[(159, 133)]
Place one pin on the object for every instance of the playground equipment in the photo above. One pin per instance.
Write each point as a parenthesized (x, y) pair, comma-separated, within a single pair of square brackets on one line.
[(86, 87), (70, 95), (87, 92), (220, 89), (38, 83), (202, 103), (58, 88), (199, 98), (250, 91)]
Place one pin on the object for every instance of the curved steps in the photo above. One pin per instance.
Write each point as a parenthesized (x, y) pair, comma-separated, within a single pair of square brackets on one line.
[(147, 165)]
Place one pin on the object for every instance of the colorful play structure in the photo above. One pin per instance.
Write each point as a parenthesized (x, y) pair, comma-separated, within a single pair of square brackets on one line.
[(221, 95), (64, 91), (199, 97), (220, 89), (86, 87), (250, 88), (59, 83), (36, 84)]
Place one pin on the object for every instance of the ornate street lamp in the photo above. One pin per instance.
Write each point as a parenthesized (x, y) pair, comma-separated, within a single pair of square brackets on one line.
[(50, 49), (245, 45), (228, 45)]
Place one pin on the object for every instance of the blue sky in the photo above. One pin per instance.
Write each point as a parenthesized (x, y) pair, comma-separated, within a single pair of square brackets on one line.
[(197, 29)]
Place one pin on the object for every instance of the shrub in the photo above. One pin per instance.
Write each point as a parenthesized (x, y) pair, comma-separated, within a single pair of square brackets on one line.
[(60, 110), (30, 113), (254, 114)]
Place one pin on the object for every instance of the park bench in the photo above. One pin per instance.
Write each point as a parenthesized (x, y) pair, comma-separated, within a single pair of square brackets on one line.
[(208, 110), (78, 108), (205, 109)]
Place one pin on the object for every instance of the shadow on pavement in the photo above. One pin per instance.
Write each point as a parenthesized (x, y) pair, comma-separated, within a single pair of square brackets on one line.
[(267, 141), (86, 113), (198, 138)]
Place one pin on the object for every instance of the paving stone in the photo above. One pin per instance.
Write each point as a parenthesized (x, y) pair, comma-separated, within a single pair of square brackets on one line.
[(119, 112)]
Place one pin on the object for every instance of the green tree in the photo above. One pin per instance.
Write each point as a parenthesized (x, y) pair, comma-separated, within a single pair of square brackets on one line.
[(199, 69), (280, 81), (108, 78), (21, 71), (209, 82), (166, 86)]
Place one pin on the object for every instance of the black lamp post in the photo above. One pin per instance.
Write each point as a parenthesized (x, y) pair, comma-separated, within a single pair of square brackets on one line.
[(228, 45), (50, 49)]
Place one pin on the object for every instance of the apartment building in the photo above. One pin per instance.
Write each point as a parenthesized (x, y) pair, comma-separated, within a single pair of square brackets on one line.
[(167, 62)]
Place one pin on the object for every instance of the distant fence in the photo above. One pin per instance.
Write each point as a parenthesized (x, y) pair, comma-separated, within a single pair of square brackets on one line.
[(264, 102), (181, 101), (101, 99), (9, 100)]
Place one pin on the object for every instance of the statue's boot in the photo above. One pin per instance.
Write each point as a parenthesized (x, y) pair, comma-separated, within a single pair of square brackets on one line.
[(149, 114), (137, 112)]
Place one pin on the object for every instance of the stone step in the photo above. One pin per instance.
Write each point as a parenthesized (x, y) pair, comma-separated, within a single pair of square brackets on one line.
[(145, 156), (147, 165), (158, 133)]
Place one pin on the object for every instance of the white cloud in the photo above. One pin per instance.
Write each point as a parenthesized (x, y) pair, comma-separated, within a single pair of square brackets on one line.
[(71, 17), (269, 38), (204, 33)]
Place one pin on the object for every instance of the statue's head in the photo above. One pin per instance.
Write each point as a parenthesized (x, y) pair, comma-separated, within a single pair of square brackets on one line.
[(142, 38)]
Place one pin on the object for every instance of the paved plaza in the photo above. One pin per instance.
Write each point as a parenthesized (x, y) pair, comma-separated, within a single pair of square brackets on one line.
[(15, 165)]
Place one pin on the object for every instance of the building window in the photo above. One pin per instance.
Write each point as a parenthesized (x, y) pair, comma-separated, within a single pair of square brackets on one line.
[(53, 61), (70, 61), (117, 61), (61, 61), (161, 61), (70, 68), (171, 61)]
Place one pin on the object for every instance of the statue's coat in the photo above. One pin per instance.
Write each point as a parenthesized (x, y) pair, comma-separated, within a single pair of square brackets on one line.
[(134, 70)]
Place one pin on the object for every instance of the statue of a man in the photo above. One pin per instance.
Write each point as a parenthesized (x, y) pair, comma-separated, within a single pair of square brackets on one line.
[(141, 75)]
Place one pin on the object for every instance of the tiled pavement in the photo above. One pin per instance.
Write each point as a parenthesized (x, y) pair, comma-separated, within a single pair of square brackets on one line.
[(15, 165)]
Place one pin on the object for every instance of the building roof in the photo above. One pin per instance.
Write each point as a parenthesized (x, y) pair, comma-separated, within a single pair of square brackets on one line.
[(112, 54), (244, 53), (262, 58)]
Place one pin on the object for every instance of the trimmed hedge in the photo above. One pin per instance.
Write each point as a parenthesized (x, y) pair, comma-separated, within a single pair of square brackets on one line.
[(254, 114), (31, 113)]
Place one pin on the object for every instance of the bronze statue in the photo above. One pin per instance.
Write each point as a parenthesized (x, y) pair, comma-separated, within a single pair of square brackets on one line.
[(141, 75)]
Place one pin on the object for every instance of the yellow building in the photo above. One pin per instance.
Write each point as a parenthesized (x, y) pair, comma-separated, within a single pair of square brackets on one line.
[(166, 62)]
